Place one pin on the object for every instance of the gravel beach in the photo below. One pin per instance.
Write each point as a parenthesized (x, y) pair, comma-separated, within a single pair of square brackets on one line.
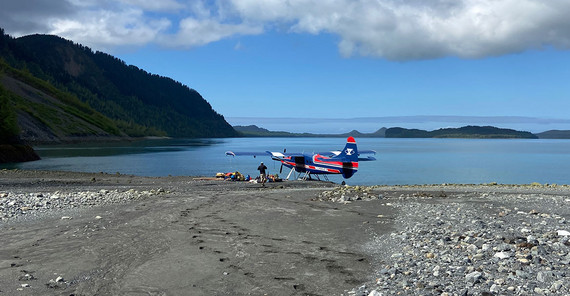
[(65, 233)]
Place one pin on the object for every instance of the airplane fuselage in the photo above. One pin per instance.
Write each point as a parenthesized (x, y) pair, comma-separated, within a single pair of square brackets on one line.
[(319, 164)]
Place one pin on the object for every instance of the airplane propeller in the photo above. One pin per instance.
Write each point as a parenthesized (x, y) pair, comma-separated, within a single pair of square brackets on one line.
[(281, 168)]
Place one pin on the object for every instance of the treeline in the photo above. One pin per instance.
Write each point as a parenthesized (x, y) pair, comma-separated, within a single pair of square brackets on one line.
[(479, 132), (8, 124), (139, 103), (255, 131)]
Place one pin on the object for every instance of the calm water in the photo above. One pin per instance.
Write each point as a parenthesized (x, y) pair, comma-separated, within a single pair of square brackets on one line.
[(399, 161)]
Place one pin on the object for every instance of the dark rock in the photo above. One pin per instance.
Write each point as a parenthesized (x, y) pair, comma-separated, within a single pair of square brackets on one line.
[(17, 153)]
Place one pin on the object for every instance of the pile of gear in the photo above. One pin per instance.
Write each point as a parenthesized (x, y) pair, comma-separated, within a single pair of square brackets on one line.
[(233, 176), (237, 176), (270, 178)]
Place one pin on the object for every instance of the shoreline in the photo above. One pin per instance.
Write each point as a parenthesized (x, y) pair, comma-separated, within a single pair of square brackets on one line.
[(108, 234), (535, 185)]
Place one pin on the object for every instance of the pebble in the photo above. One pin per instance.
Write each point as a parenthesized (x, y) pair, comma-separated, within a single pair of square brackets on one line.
[(473, 277), (495, 244), (346, 194), (13, 204), (502, 255)]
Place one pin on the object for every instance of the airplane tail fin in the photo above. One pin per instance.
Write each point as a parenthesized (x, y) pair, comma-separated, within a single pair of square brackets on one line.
[(350, 151), (349, 156)]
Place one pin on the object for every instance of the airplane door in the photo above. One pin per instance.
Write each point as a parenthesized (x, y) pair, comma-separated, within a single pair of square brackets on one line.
[(300, 164)]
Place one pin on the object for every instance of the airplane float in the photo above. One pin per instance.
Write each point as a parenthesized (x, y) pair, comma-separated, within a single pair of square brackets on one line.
[(344, 162)]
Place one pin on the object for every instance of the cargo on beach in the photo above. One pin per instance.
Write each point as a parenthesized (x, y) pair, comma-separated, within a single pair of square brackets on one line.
[(237, 176), (233, 176)]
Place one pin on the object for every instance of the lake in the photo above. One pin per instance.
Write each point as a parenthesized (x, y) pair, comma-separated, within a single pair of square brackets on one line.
[(399, 161)]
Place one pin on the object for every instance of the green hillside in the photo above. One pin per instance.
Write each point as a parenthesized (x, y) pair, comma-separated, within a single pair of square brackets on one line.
[(9, 129), (476, 132), (11, 147), (39, 112), (120, 99), (554, 134)]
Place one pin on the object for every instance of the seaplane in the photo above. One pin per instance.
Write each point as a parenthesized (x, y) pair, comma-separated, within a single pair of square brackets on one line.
[(341, 162)]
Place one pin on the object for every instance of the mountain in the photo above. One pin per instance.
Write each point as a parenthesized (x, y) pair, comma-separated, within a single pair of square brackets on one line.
[(255, 131), (477, 132), (554, 134), (63, 91)]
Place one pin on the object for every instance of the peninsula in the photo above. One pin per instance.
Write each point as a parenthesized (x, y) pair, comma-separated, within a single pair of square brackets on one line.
[(473, 132)]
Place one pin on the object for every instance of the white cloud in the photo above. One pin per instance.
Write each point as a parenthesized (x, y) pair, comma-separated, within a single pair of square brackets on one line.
[(195, 32), (404, 30), (159, 5), (390, 29), (106, 29)]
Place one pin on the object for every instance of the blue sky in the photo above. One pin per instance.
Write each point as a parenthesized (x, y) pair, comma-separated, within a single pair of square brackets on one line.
[(334, 66)]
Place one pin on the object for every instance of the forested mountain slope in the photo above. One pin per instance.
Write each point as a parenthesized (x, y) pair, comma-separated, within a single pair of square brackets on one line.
[(120, 99)]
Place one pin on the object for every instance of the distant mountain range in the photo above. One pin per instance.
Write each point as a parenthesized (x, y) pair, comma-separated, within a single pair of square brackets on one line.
[(479, 132), (255, 131), (554, 134)]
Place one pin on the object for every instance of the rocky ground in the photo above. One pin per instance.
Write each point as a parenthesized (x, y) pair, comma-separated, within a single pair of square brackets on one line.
[(493, 240), (100, 234)]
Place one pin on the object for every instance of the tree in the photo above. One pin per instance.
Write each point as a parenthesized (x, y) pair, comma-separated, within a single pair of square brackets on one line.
[(8, 123)]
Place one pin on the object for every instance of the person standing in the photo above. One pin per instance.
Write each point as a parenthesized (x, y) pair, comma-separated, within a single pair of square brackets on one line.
[(262, 175)]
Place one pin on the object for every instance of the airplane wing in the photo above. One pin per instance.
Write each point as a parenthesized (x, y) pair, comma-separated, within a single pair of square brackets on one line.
[(337, 152), (262, 153), (368, 158), (240, 153)]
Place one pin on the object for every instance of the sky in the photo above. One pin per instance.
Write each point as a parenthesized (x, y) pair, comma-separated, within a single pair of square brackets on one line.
[(336, 65)]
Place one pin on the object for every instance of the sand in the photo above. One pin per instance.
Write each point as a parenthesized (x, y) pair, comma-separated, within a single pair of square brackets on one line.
[(196, 238), (189, 236)]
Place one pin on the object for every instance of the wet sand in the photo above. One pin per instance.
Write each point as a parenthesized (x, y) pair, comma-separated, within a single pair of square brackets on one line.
[(197, 237)]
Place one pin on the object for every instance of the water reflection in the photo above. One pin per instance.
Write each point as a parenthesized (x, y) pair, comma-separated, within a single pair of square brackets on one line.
[(122, 148)]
